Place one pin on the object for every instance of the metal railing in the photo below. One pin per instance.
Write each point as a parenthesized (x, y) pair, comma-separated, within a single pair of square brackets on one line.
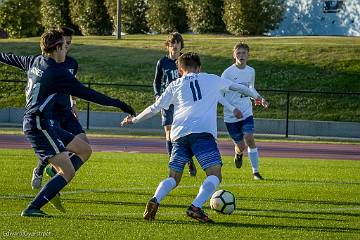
[(288, 94)]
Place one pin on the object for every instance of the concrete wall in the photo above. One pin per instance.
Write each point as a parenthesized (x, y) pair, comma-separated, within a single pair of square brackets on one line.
[(262, 126)]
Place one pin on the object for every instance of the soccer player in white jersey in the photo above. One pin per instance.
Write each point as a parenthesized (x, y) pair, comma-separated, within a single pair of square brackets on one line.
[(241, 130), (194, 129)]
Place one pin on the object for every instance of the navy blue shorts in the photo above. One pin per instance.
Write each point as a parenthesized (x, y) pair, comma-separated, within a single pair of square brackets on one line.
[(67, 121), (238, 129), (201, 145), (46, 139), (167, 116)]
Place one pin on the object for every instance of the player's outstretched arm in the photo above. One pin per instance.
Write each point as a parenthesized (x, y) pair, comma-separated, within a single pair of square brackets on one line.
[(68, 84), (237, 113), (247, 91), (163, 101), (22, 62)]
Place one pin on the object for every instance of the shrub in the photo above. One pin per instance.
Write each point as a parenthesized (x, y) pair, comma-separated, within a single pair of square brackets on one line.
[(165, 16), (21, 18), (91, 17), (252, 17), (133, 15), (205, 16), (55, 13)]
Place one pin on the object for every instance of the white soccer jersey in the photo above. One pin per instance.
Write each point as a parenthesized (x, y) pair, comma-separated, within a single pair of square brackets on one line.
[(195, 98), (246, 77)]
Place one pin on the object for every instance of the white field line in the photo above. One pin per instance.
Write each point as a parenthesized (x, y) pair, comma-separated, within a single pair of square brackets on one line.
[(110, 190)]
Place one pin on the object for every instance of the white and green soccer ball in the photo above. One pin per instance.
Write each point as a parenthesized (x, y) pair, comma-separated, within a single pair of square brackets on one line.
[(223, 201)]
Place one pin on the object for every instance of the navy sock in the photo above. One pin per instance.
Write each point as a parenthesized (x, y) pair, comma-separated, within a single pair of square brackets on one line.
[(76, 162), (169, 147), (40, 168), (52, 187)]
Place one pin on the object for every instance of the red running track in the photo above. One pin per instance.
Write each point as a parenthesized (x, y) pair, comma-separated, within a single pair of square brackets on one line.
[(157, 145)]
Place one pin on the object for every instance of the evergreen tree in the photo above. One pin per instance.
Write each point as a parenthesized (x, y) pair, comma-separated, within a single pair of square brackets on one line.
[(205, 16), (91, 16), (55, 13), (165, 16), (21, 18), (252, 17)]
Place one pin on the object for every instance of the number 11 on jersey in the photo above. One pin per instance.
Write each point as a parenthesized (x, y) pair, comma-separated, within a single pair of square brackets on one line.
[(195, 90)]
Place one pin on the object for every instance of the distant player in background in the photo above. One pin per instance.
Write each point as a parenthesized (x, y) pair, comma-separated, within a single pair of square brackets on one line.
[(65, 113), (194, 130), (47, 76), (241, 130), (166, 72)]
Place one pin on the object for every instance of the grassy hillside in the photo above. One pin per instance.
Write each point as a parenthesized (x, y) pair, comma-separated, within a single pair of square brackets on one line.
[(311, 63)]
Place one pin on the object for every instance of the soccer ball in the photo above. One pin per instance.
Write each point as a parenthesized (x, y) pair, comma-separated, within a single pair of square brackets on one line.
[(223, 201)]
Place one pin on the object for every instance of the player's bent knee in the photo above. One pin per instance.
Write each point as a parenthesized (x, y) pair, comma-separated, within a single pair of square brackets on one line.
[(80, 148), (176, 176), (214, 170), (83, 137)]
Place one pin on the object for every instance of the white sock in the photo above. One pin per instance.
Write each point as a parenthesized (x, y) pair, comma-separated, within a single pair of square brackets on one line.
[(165, 186), (207, 188), (254, 159)]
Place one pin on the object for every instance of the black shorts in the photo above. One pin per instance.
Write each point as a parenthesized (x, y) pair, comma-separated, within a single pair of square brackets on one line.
[(67, 121)]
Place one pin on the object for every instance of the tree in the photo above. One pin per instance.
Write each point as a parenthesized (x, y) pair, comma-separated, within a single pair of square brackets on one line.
[(91, 17), (205, 16), (252, 17), (165, 16), (133, 15), (21, 18), (55, 13)]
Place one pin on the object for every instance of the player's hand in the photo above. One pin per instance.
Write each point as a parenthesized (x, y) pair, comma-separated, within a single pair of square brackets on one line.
[(127, 108), (157, 97), (262, 102), (237, 113), (127, 120)]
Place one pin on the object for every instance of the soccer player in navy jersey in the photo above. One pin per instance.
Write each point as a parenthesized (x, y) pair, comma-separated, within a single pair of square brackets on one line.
[(194, 130), (48, 76), (166, 71), (64, 113)]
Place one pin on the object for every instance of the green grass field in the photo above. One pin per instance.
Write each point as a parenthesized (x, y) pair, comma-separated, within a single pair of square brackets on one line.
[(301, 199), (288, 63)]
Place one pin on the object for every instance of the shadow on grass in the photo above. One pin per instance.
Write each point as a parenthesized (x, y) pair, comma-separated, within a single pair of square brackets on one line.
[(137, 220)]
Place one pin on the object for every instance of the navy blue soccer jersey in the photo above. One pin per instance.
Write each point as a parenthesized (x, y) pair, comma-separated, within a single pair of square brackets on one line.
[(46, 78), (62, 101), (166, 72)]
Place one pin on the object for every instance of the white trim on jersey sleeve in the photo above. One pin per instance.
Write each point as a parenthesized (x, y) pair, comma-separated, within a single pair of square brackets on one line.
[(164, 101)]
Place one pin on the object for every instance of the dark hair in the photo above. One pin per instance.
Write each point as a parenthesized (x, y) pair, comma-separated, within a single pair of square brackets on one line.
[(174, 37), (189, 60), (241, 45), (68, 32), (50, 40)]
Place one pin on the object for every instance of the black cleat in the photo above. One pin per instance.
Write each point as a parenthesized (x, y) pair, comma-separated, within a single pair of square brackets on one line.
[(192, 168), (198, 214), (257, 176), (32, 212), (238, 160)]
